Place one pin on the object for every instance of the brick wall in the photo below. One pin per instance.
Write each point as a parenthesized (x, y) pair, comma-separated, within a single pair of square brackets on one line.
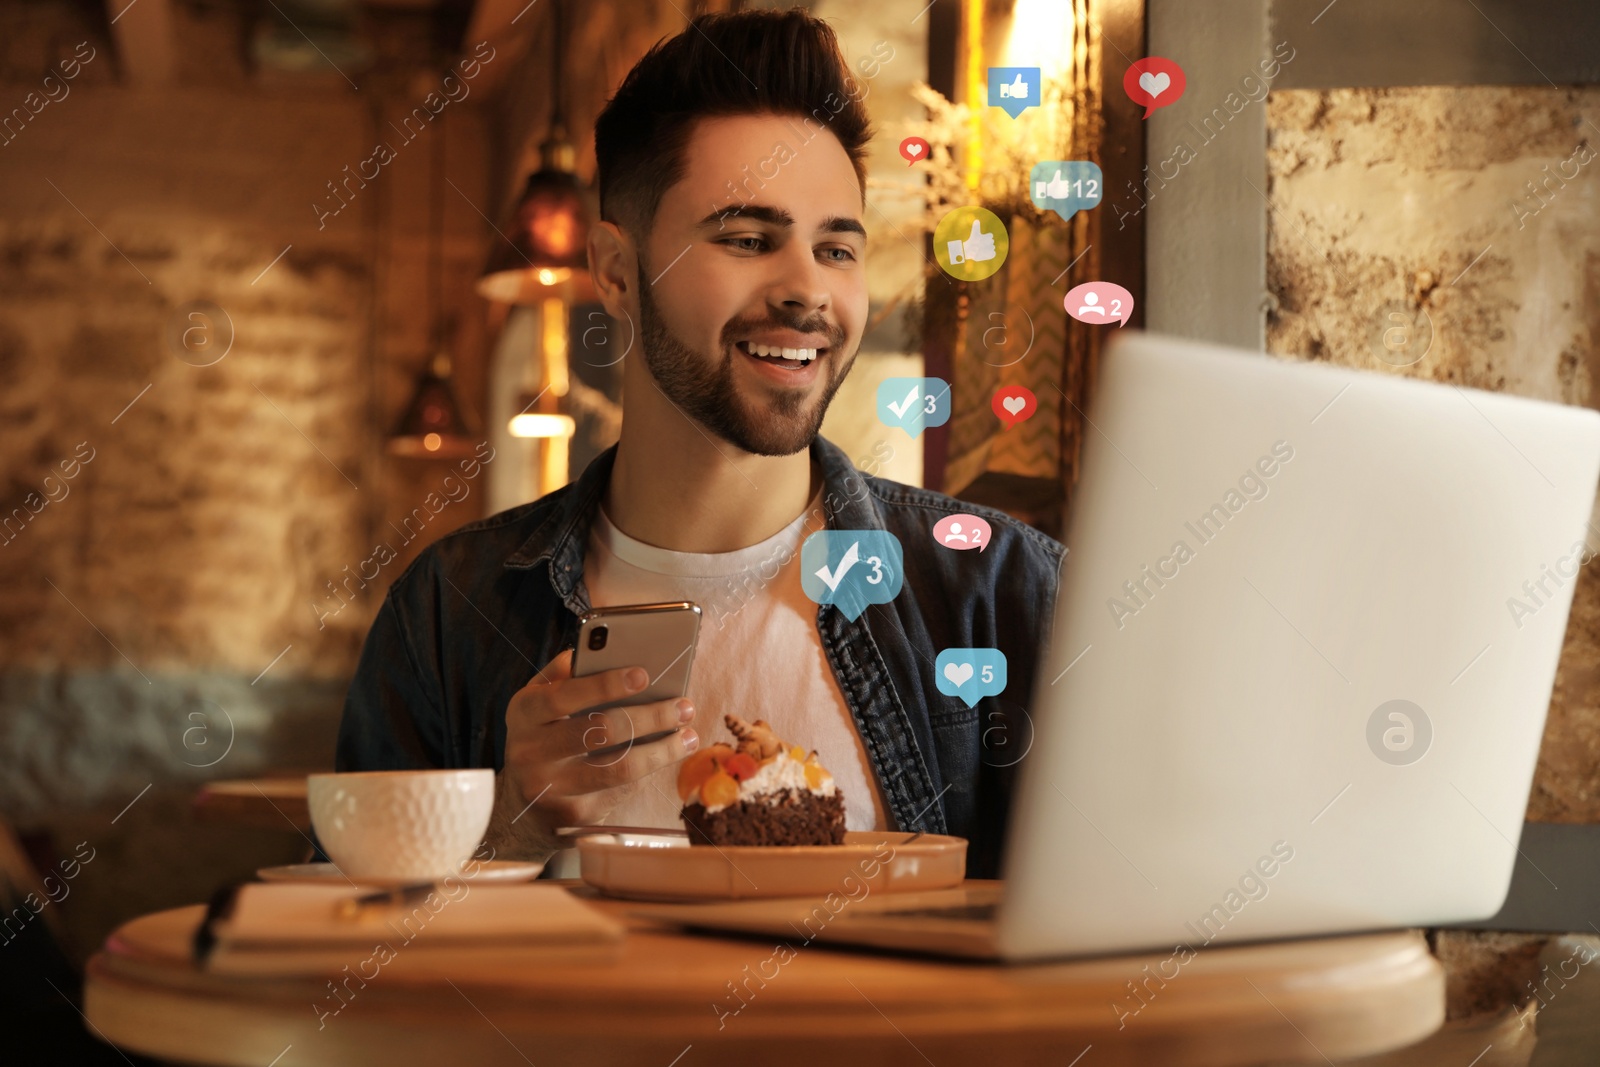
[(179, 486)]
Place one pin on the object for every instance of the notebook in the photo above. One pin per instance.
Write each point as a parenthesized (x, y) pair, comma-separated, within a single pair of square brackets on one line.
[(286, 929)]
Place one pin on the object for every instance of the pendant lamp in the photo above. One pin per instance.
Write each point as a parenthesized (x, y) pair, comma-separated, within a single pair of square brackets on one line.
[(433, 426), (545, 242)]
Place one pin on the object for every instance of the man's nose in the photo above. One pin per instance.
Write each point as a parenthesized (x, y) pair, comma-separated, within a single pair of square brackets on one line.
[(799, 286)]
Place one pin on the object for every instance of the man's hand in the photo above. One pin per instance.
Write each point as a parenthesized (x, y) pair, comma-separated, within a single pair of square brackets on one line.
[(555, 774)]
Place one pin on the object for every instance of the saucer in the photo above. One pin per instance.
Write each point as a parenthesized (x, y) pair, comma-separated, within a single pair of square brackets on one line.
[(487, 871)]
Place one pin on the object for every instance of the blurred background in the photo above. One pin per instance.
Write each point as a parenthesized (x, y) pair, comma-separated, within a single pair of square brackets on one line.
[(291, 288)]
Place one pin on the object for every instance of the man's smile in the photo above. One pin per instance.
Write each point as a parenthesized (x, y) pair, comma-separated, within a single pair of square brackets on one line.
[(789, 365), (794, 352)]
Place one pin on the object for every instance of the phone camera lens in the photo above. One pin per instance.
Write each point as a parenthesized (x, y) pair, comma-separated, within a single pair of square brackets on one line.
[(597, 638)]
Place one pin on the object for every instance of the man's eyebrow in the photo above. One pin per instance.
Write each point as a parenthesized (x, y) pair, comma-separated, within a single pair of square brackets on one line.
[(775, 216), (842, 224)]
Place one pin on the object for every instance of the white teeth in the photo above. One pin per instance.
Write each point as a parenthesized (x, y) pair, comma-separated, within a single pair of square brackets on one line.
[(774, 351)]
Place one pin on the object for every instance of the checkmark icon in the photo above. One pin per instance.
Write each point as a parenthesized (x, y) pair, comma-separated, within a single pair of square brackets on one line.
[(868, 568), (903, 406), (832, 578), (910, 404)]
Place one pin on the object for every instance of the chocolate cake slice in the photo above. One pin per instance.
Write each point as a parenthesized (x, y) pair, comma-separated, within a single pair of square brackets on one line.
[(759, 792)]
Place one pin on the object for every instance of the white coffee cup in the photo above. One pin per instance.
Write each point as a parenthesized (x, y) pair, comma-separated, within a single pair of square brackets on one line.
[(401, 825)]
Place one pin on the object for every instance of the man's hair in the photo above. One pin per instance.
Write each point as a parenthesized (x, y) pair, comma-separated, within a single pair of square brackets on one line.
[(748, 63)]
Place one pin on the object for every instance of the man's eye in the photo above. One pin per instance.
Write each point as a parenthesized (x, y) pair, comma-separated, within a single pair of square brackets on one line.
[(844, 255), (745, 244)]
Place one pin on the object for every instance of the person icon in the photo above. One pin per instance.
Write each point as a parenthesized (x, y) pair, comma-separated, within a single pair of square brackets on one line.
[(1091, 305), (955, 534)]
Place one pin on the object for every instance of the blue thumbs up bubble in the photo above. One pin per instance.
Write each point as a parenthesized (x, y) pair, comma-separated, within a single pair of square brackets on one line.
[(913, 404), (1014, 89), (851, 569), (1065, 186), (970, 673)]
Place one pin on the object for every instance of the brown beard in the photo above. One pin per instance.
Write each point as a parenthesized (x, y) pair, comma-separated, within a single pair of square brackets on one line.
[(702, 387)]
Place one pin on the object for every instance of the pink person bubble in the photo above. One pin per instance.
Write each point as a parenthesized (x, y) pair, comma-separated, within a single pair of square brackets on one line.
[(1099, 303), (1014, 404), (1153, 82), (915, 150), (962, 532)]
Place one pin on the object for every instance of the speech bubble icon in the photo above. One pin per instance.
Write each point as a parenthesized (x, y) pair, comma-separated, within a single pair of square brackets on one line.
[(1014, 89), (914, 404), (1014, 404), (915, 150), (970, 673), (1065, 186), (851, 569), (1099, 303), (962, 532), (1153, 82)]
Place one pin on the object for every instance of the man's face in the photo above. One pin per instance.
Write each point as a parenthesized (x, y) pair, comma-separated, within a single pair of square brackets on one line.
[(775, 261)]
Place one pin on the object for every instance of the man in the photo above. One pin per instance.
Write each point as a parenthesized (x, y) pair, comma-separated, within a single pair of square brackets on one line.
[(732, 193)]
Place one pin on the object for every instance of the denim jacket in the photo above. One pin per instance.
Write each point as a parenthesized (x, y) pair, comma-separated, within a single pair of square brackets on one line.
[(479, 611)]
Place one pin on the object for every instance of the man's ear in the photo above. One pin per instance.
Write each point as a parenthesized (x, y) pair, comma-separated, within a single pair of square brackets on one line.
[(614, 266)]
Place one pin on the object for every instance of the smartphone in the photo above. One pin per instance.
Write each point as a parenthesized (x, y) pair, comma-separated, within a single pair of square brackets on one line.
[(660, 638)]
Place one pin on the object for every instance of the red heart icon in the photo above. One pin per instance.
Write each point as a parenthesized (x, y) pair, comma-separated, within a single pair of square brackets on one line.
[(1014, 404)]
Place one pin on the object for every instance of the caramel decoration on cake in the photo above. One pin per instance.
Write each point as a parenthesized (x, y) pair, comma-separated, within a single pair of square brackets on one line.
[(756, 739), (759, 791)]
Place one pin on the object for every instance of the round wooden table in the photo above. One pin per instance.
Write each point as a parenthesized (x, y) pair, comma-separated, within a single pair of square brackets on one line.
[(664, 1001)]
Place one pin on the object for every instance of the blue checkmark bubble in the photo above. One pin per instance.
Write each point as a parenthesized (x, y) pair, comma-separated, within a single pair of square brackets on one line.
[(913, 404), (1014, 89), (970, 673), (851, 569)]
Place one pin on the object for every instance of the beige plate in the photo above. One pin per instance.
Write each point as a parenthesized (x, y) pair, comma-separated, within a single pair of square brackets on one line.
[(639, 867)]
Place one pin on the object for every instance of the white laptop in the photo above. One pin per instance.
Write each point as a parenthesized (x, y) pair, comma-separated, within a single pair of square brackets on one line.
[(1304, 644)]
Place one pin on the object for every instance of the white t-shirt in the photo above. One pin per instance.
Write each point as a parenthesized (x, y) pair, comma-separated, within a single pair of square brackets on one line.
[(758, 656)]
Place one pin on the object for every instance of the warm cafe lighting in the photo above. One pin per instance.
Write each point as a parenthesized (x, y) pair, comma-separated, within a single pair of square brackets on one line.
[(547, 237), (538, 425), (433, 426), (548, 233), (1041, 36)]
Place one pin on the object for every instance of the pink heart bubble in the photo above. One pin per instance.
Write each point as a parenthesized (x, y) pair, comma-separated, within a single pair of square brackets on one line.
[(962, 532), (914, 150), (1098, 303)]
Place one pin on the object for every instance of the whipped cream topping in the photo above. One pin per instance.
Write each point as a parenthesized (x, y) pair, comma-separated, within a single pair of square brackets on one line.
[(784, 772)]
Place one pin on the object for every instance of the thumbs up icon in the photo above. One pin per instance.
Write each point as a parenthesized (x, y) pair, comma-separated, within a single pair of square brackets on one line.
[(1014, 89), (1057, 188), (978, 247), (971, 243), (1065, 186)]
